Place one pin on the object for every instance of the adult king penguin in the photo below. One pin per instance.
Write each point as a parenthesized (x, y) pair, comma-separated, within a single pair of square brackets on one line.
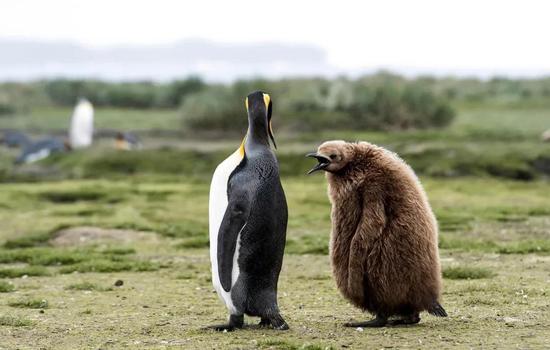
[(248, 217), (81, 131)]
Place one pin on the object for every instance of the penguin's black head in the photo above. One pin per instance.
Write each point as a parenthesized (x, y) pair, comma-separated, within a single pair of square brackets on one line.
[(258, 105)]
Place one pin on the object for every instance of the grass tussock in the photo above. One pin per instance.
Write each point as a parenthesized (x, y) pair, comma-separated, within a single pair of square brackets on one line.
[(12, 321), (541, 247), (476, 301), (309, 244), (6, 287), (118, 251), (66, 196), (193, 243), (84, 260), (105, 266), (30, 271), (526, 247), (29, 303), (33, 240), (467, 273), (71, 260), (446, 242), (43, 256), (287, 345), (88, 286), (28, 241)]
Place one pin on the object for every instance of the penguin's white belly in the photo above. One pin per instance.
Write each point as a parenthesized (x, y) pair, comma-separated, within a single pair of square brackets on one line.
[(82, 125), (217, 207), (39, 155)]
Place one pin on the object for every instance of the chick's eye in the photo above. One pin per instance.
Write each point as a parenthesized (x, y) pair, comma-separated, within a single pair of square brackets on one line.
[(333, 156)]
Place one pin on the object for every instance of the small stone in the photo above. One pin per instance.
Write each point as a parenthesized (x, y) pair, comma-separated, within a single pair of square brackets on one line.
[(119, 283), (359, 329)]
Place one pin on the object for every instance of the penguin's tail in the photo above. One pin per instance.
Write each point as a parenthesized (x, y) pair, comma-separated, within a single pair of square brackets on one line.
[(437, 310)]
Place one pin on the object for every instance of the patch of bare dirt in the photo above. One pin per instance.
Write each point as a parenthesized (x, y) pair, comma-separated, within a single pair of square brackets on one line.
[(76, 236)]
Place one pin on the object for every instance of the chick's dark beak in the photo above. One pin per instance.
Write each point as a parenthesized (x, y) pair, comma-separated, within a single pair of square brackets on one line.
[(323, 162)]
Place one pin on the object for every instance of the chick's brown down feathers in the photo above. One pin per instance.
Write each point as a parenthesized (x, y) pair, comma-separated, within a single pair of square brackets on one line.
[(384, 234)]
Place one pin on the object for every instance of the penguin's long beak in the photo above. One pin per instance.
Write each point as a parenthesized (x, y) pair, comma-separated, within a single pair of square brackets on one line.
[(324, 161)]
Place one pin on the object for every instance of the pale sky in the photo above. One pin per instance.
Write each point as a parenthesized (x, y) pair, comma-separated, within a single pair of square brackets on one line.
[(499, 36)]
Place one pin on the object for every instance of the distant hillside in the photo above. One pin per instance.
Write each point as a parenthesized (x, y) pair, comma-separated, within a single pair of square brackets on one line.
[(25, 60)]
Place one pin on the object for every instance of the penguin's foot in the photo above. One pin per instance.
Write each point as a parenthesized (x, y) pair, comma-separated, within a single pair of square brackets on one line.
[(235, 322), (409, 319), (264, 323), (276, 322), (379, 321), (222, 328)]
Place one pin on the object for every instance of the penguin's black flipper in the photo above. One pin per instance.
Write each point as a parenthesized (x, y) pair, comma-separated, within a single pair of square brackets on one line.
[(232, 224)]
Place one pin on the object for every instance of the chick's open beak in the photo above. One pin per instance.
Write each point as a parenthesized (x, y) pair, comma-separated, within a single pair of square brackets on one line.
[(324, 161)]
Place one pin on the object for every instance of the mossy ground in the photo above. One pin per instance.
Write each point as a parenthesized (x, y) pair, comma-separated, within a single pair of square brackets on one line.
[(494, 253)]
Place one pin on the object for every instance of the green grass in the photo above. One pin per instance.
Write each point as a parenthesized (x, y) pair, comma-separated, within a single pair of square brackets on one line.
[(12, 321), (194, 242), (43, 256), (71, 260), (23, 271), (285, 345), (28, 241), (541, 247), (71, 196), (310, 244), (526, 247), (6, 287), (57, 118), (118, 251), (522, 121), (88, 286), (106, 266), (467, 273), (29, 303)]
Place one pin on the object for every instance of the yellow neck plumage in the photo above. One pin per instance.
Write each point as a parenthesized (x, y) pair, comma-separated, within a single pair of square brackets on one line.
[(241, 148)]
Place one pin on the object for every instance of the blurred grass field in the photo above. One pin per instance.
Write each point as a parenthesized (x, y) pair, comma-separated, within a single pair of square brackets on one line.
[(56, 119), (492, 203)]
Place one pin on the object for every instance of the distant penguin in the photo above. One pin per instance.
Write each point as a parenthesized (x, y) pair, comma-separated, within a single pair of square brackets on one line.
[(15, 139), (127, 141), (41, 149), (248, 219), (383, 247), (82, 125)]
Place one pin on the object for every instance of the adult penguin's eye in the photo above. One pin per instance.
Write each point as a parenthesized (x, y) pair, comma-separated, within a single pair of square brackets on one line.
[(333, 156)]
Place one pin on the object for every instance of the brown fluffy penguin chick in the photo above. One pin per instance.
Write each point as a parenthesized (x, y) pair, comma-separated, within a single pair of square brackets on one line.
[(383, 245)]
